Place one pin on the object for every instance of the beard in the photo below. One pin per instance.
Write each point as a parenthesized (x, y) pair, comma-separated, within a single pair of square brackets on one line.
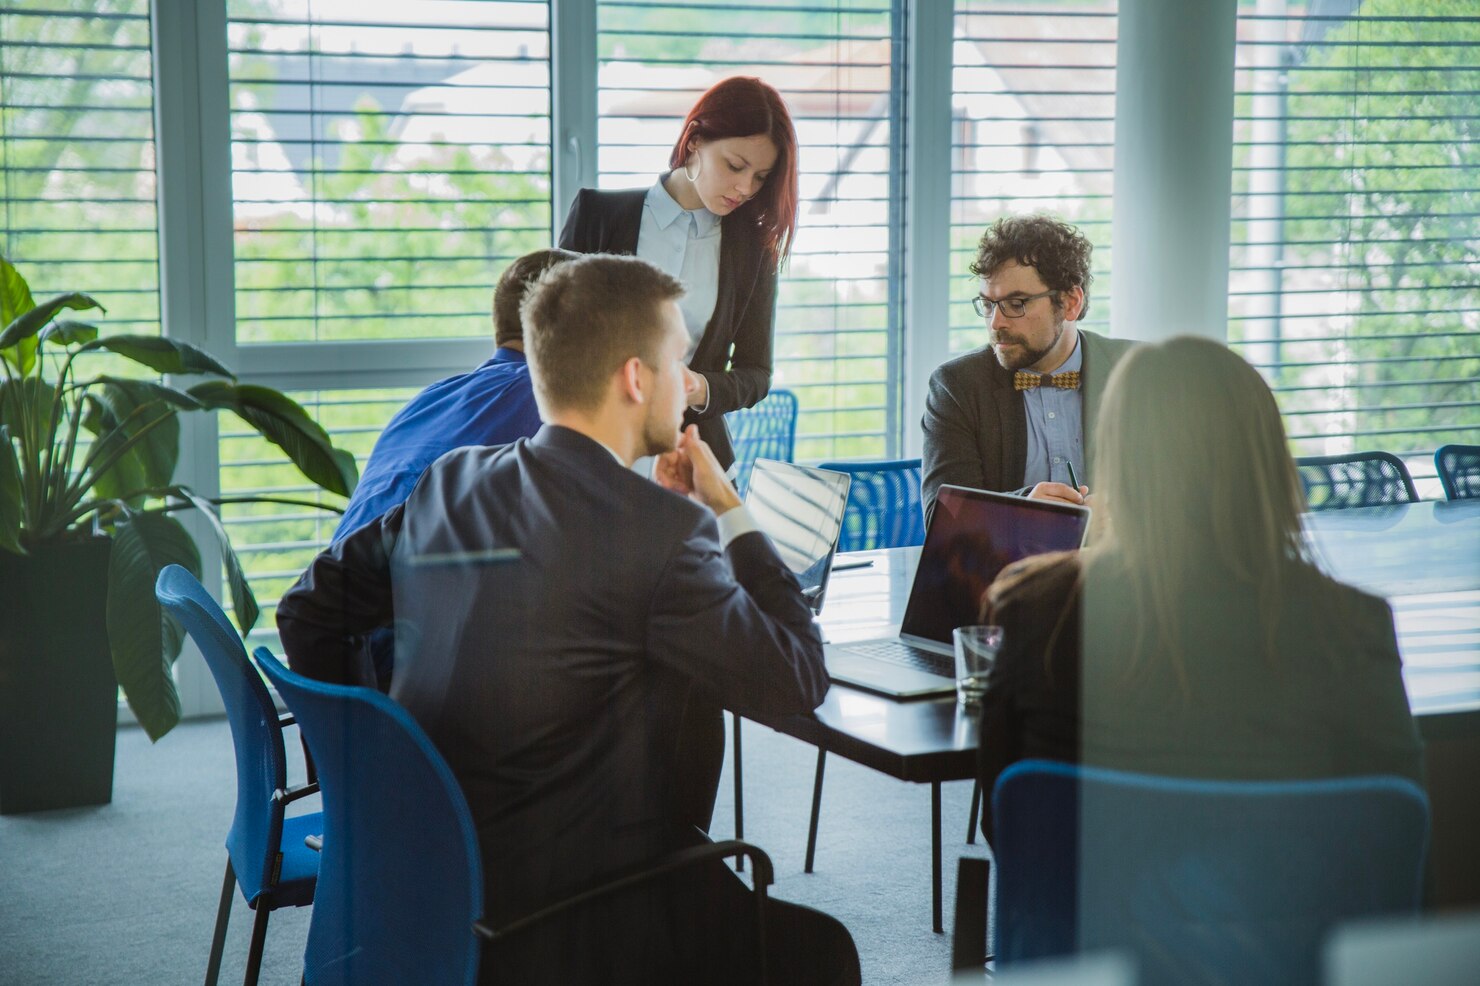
[(659, 437), (1028, 356)]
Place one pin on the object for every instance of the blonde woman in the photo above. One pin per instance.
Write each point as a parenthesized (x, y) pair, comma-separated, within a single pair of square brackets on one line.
[(1196, 638)]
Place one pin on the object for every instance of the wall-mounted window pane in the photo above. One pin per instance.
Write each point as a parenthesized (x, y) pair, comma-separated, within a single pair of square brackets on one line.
[(1355, 264), (1032, 130), (77, 154), (388, 161), (837, 327)]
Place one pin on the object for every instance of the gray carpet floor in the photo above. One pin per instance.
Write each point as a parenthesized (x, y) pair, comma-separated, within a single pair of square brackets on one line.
[(126, 893)]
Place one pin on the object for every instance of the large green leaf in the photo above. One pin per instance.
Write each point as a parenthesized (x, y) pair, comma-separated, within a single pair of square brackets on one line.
[(145, 643), (27, 324), (10, 496), (162, 354), (15, 301), (68, 333), (243, 601), (281, 421), (120, 409)]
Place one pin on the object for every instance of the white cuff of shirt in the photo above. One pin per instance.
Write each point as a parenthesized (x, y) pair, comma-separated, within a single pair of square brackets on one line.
[(733, 523)]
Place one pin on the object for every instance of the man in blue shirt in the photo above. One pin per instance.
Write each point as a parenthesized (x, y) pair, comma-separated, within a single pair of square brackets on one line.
[(491, 405), (1017, 415)]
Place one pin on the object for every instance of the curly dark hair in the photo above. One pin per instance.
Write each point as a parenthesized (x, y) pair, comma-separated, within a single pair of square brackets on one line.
[(1057, 251)]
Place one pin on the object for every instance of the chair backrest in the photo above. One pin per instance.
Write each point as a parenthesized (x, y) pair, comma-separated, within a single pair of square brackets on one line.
[(1204, 881), (400, 876), (261, 766), (1459, 470), (1361, 479), (884, 505), (766, 431)]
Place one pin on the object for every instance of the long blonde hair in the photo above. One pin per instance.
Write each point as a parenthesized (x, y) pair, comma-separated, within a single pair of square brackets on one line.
[(1193, 469)]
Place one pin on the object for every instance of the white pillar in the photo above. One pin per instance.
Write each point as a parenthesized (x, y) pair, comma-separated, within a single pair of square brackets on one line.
[(1173, 168)]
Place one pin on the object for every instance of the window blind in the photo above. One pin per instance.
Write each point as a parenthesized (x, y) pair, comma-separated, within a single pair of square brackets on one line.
[(1033, 130), (835, 63), (1355, 264), (388, 161), (77, 153)]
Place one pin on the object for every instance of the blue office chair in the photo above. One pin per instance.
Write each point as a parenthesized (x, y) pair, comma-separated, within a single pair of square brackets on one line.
[(766, 431), (1360, 479), (401, 880), (885, 508), (1458, 467), (1204, 881), (265, 854)]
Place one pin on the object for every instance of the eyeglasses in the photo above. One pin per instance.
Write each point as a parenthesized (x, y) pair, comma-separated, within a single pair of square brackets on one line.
[(1011, 307)]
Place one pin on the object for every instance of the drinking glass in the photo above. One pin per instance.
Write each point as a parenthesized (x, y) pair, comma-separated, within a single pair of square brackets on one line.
[(976, 649)]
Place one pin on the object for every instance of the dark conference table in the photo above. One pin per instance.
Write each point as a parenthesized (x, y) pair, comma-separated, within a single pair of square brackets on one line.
[(1423, 557)]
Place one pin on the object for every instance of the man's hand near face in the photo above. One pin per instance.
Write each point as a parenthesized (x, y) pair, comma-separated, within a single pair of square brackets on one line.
[(692, 470)]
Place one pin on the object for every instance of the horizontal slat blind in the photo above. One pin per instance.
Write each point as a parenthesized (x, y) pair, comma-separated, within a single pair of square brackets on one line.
[(388, 162), (77, 153), (837, 330), (1032, 130), (1355, 264)]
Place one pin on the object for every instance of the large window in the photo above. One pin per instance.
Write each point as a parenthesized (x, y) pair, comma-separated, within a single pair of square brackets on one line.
[(388, 161), (77, 153), (1032, 130), (834, 61), (1355, 281)]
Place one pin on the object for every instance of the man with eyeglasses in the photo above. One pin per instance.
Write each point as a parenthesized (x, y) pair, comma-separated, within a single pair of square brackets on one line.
[(1014, 416)]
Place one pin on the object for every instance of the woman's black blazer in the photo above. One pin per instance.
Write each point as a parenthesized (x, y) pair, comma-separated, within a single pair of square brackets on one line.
[(734, 354)]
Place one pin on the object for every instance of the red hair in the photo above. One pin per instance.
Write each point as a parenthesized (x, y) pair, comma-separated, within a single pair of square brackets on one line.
[(744, 107)]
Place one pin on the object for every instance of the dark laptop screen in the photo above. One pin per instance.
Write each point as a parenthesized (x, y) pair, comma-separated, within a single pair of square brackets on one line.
[(974, 535)]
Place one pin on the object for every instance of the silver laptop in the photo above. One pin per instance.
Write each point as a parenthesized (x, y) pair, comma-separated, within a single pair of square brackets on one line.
[(801, 510), (972, 536)]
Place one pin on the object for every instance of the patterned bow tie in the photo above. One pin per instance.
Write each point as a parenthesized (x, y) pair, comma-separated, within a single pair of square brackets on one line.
[(1027, 380)]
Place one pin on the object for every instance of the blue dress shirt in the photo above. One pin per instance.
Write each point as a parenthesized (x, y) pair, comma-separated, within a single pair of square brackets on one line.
[(684, 243), (1055, 428), (492, 405)]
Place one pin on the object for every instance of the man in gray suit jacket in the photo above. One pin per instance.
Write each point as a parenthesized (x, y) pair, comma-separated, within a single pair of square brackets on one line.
[(554, 612), (1015, 415)]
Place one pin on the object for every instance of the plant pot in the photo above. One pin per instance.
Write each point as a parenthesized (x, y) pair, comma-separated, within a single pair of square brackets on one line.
[(58, 696)]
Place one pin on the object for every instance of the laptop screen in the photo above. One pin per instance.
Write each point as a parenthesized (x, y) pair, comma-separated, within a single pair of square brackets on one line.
[(801, 510), (973, 535)]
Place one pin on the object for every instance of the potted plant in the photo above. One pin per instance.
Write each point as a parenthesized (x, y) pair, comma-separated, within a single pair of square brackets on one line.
[(88, 505)]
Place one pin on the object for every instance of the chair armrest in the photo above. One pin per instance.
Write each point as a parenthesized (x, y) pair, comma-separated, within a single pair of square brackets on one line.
[(286, 796), (314, 842), (761, 872)]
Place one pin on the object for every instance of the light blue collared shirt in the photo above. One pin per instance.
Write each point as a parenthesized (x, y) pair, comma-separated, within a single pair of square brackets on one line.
[(1056, 428), (684, 243)]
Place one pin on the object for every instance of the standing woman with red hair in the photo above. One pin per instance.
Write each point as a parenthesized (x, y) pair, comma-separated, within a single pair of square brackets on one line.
[(722, 220)]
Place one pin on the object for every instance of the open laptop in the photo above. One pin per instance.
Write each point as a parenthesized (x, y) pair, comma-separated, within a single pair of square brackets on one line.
[(801, 510), (972, 536)]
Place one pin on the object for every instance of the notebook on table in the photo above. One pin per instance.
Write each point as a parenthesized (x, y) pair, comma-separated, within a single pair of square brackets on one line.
[(972, 536), (801, 510)]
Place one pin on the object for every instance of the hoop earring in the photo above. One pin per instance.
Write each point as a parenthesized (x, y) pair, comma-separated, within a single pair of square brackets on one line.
[(697, 171)]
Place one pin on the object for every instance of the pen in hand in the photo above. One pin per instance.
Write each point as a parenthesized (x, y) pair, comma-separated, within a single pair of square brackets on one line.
[(1073, 479)]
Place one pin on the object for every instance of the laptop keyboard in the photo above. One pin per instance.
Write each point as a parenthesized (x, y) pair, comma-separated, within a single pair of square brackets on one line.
[(898, 652)]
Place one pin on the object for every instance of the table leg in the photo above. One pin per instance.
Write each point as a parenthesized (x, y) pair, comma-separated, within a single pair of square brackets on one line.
[(976, 804), (935, 904), (739, 797), (816, 809)]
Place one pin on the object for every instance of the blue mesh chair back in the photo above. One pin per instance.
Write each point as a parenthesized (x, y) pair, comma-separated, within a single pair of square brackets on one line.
[(884, 505), (1361, 479), (266, 854), (1204, 881), (400, 881), (1459, 471), (766, 431)]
